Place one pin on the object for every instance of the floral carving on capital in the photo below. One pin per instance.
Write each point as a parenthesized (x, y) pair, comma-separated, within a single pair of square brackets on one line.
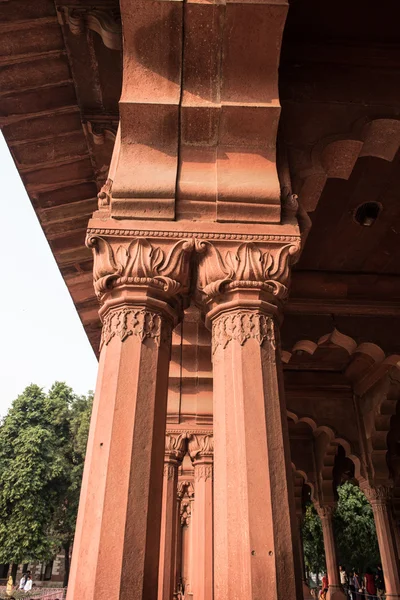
[(248, 265), (144, 324), (140, 263), (325, 511), (241, 326), (201, 446), (175, 446), (378, 496)]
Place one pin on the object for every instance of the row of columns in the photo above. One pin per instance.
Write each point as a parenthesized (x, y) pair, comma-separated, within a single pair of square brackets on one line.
[(379, 498), (197, 549), (194, 549), (142, 287)]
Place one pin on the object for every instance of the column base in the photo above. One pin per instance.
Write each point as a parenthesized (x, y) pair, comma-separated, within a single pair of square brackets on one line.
[(335, 592)]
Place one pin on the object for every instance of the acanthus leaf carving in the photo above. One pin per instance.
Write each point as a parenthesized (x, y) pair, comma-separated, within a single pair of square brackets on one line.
[(201, 445), (250, 265), (140, 263), (175, 445)]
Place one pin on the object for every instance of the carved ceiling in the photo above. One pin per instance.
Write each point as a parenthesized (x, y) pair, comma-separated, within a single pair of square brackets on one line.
[(61, 78)]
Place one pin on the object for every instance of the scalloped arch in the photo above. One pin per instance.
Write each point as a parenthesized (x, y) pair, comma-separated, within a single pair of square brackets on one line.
[(366, 364), (336, 156), (333, 441)]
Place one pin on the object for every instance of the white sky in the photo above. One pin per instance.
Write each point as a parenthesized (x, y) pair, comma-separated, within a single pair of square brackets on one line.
[(42, 339)]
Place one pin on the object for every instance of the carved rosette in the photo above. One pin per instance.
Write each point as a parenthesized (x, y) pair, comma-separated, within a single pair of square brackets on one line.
[(241, 326), (248, 265)]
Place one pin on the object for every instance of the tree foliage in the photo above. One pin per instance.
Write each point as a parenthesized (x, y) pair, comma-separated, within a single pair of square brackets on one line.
[(314, 554), (42, 449), (354, 529)]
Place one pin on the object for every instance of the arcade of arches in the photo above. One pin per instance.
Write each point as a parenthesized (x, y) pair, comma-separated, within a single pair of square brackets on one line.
[(223, 178)]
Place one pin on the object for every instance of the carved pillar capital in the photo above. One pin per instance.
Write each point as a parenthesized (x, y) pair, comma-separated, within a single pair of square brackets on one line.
[(250, 275), (138, 281), (201, 450), (326, 511), (201, 446), (175, 446), (378, 496)]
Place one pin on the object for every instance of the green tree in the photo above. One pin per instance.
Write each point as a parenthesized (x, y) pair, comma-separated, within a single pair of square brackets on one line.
[(314, 554), (42, 450), (31, 473), (74, 455), (354, 528)]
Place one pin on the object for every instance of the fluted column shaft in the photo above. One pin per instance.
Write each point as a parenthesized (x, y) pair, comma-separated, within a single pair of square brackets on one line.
[(379, 498), (325, 514), (174, 451), (201, 451)]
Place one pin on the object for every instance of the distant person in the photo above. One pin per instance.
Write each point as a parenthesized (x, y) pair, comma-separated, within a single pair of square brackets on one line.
[(380, 582), (352, 587), (359, 592), (10, 586), (344, 580), (28, 584), (324, 588), (369, 582), (22, 581)]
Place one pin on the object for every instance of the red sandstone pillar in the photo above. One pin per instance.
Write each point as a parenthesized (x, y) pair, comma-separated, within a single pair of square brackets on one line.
[(379, 497), (174, 452), (335, 590), (117, 542), (255, 548), (201, 448)]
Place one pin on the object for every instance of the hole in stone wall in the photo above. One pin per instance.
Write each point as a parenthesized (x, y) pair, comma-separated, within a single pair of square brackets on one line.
[(367, 213)]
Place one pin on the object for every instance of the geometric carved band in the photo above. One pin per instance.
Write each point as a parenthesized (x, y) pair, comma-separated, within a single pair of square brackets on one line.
[(241, 326), (124, 322)]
